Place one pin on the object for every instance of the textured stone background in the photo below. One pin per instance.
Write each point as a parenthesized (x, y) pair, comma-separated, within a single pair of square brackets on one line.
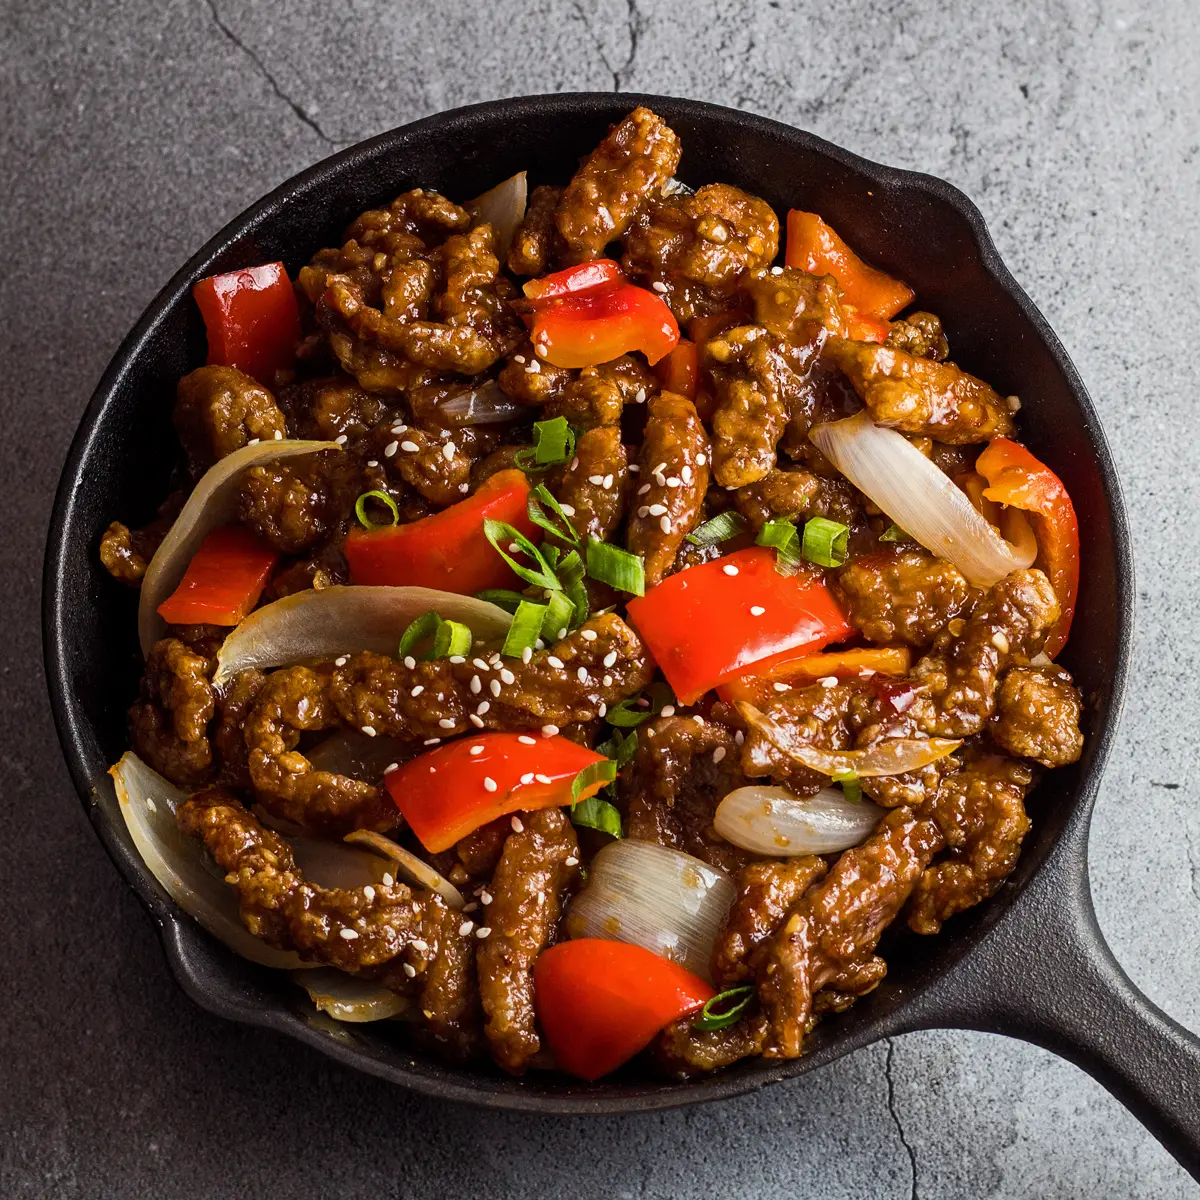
[(130, 131)]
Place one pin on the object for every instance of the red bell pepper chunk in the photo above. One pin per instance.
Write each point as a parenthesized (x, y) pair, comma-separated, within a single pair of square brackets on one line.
[(447, 793), (599, 1002), (447, 550), (759, 688), (814, 246), (223, 581), (591, 314), (599, 273), (705, 625), (1016, 478), (860, 328), (252, 319), (679, 372)]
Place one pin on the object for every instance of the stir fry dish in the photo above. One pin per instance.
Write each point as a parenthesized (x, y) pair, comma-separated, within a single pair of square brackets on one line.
[(587, 622)]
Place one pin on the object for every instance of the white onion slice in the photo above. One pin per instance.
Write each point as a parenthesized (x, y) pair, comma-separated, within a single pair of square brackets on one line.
[(485, 405), (180, 863), (213, 502), (503, 208), (664, 901), (408, 866), (893, 756), (919, 497), (773, 821), (348, 752), (342, 620), (345, 998)]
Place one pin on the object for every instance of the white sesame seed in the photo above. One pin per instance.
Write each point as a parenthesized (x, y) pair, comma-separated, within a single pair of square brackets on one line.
[(388, 879), (494, 687), (608, 482), (596, 479), (757, 610), (348, 934), (639, 398), (830, 681), (517, 827), (659, 286), (603, 707), (513, 548), (485, 898), (656, 510), (483, 931), (369, 730), (476, 721), (527, 654), (465, 928), (643, 511), (417, 690), (372, 462), (151, 805), (1000, 642), (541, 899), (739, 738), (574, 464), (662, 466), (489, 784), (457, 658), (409, 970), (481, 664), (519, 358), (610, 658), (448, 451), (432, 742), (555, 662), (527, 778), (634, 469), (543, 779), (569, 509), (476, 685), (781, 687), (572, 861), (341, 662), (549, 730), (507, 676), (665, 524), (674, 481), (409, 447), (410, 662), (394, 766), (668, 710), (776, 270), (446, 723), (340, 439), (701, 459), (526, 740), (279, 435), (399, 429), (643, 489), (535, 367), (607, 681), (718, 754), (698, 718), (729, 569), (464, 487), (484, 705), (369, 892), (390, 449)]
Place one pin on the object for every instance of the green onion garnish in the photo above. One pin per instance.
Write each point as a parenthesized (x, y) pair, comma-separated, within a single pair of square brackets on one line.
[(445, 637), (541, 495), (502, 535), (893, 533), (570, 575), (825, 542), (627, 714), (781, 534), (620, 748), (604, 771), (594, 813), (553, 444), (360, 510), (725, 1009), (502, 598), (525, 629), (558, 613), (616, 567), (851, 788), (720, 529)]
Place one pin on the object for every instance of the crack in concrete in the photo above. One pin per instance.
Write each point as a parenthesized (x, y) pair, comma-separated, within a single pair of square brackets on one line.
[(634, 25), (1193, 858), (265, 72), (891, 1103)]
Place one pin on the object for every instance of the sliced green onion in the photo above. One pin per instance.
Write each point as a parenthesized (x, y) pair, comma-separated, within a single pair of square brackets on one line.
[(594, 813), (627, 715), (893, 533), (541, 495), (620, 748), (604, 771), (445, 638), (558, 613), (569, 569), (782, 536), (502, 598), (851, 788), (502, 535), (720, 529), (825, 542), (525, 629), (360, 510), (725, 1009), (616, 567), (553, 444)]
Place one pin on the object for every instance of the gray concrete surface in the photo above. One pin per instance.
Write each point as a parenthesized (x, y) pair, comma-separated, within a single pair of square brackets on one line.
[(129, 131)]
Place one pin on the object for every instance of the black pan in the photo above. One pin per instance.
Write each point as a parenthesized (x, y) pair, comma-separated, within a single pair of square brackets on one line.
[(1030, 962)]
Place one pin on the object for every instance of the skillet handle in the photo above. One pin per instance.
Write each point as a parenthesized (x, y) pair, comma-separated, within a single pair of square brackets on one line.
[(1046, 975)]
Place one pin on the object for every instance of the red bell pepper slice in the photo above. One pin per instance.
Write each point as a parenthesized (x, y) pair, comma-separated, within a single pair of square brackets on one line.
[(861, 328), (447, 793), (679, 372), (759, 688), (252, 319), (599, 1002), (713, 622), (447, 550), (223, 581), (814, 246), (591, 314), (1016, 478)]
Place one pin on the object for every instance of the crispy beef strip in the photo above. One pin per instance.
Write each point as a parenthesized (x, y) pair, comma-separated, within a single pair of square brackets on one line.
[(537, 243), (219, 410), (168, 725), (1037, 716), (593, 486)]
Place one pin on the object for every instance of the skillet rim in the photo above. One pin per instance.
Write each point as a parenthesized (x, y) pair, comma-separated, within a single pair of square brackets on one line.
[(178, 934)]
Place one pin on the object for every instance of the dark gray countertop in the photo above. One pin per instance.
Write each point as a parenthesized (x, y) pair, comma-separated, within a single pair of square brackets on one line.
[(130, 132)]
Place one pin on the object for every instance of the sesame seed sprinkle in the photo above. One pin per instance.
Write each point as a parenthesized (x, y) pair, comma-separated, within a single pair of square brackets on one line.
[(659, 286), (409, 447), (668, 710), (643, 489), (776, 270), (399, 429), (340, 439), (507, 677), (718, 754), (464, 487), (569, 509), (527, 778), (543, 779), (445, 723), (341, 662), (572, 861), (480, 664), (665, 524), (484, 705), (519, 358), (394, 766), (369, 730), (757, 610), (489, 784), (656, 510), (390, 449), (607, 681), (448, 451), (410, 662), (485, 898), (830, 681), (644, 511), (417, 690), (369, 892), (603, 707), (494, 687), (517, 827), (610, 658), (739, 738), (673, 481), (349, 934), (457, 658), (432, 742), (555, 662), (527, 654), (372, 462), (483, 931), (701, 459), (526, 740), (549, 730), (476, 685), (476, 721), (596, 479), (388, 879), (465, 928), (409, 970)]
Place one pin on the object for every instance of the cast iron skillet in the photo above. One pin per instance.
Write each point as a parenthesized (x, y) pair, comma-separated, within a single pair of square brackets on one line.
[(1029, 963)]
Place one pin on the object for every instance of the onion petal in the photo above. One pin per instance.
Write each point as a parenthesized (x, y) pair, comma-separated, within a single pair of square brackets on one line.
[(773, 821), (342, 620), (920, 498), (411, 868), (357, 756), (657, 898), (484, 405), (892, 756), (213, 502), (345, 998), (503, 208)]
